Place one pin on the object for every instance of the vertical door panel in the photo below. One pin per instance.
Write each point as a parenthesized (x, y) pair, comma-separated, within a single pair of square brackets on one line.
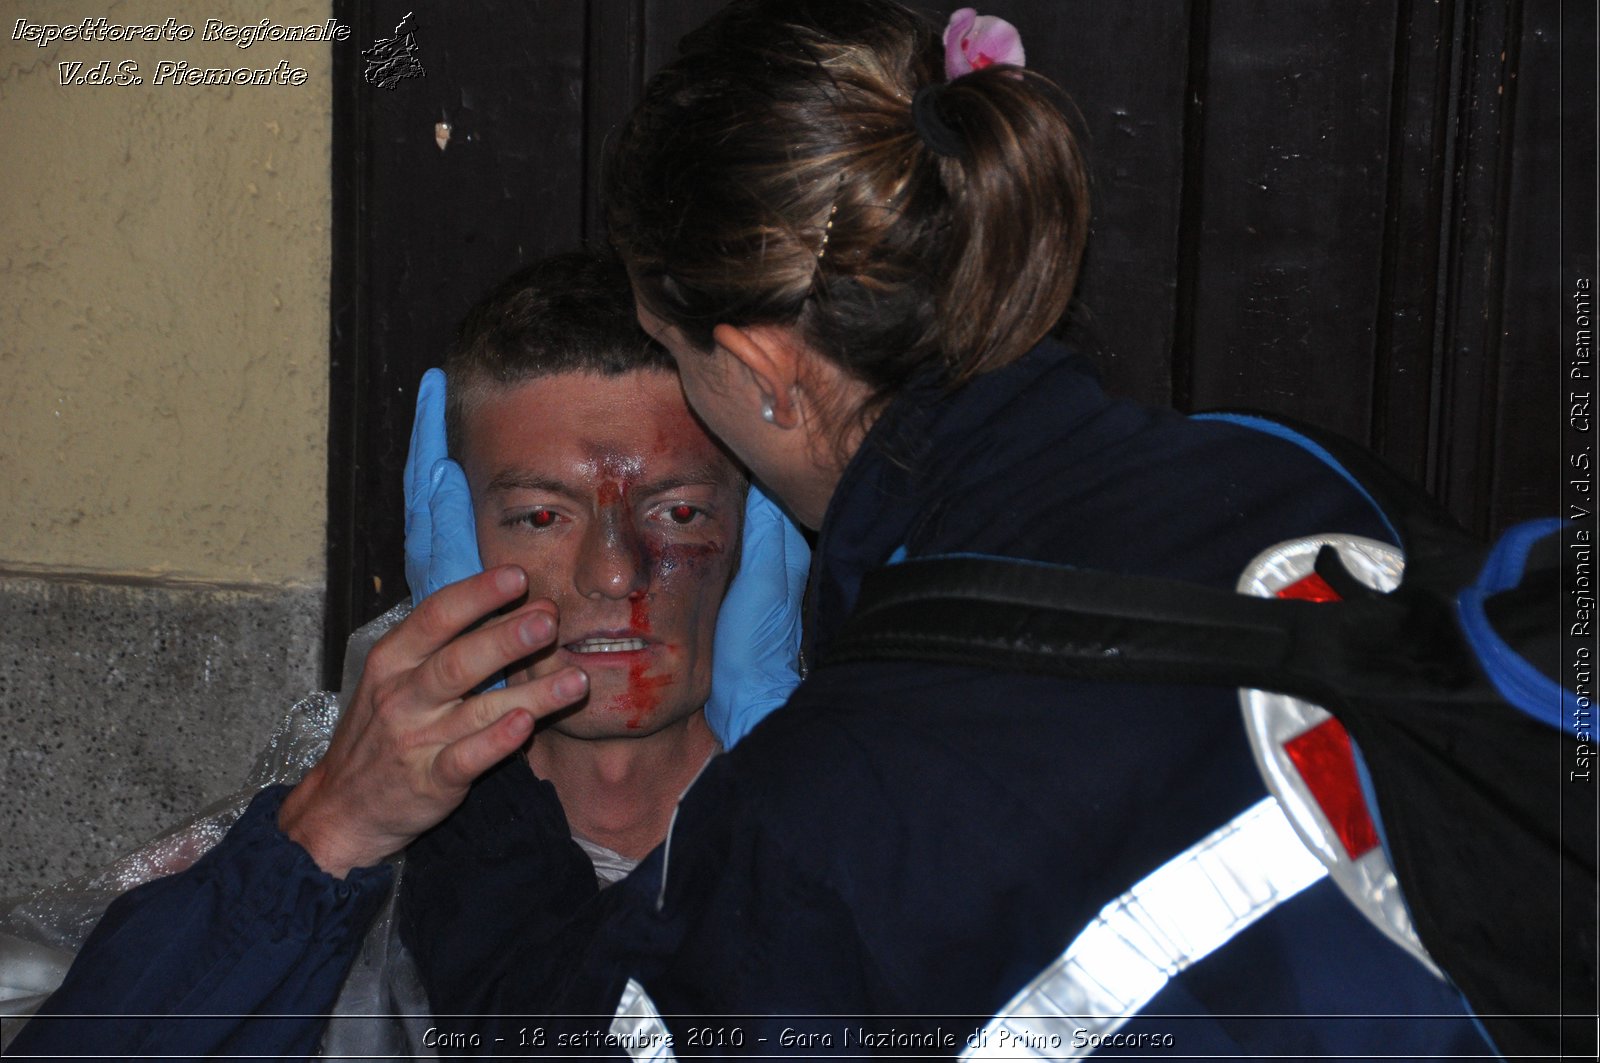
[(1339, 210)]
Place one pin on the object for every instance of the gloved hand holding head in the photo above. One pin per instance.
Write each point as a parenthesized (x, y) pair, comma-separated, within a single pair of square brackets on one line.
[(441, 543)]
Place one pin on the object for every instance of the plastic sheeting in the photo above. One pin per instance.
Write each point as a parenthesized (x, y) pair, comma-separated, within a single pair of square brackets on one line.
[(382, 1009)]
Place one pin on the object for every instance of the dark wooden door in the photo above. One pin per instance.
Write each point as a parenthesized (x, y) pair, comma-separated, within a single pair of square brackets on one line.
[(1346, 211)]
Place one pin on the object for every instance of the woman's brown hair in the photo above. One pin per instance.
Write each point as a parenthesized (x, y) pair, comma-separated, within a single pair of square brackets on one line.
[(773, 175)]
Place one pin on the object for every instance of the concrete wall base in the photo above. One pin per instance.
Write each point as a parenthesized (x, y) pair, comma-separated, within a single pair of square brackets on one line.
[(129, 704)]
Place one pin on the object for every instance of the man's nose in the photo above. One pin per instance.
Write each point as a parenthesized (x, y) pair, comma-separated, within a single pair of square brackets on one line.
[(613, 562)]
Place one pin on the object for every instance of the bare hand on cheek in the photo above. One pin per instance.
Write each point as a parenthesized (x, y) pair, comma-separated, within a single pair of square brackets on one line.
[(414, 736)]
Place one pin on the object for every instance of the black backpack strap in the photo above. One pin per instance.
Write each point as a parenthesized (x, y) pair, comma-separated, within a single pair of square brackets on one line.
[(1030, 616)]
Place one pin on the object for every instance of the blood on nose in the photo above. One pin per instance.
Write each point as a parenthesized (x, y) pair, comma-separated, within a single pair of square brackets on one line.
[(615, 561)]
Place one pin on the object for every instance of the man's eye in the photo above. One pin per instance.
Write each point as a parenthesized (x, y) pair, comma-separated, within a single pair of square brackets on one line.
[(539, 518), (683, 513)]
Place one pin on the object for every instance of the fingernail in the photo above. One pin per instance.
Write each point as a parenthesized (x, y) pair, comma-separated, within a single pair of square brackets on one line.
[(535, 629), (509, 580), (572, 684)]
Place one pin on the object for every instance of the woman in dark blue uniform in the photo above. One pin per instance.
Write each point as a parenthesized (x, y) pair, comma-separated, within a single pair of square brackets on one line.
[(854, 237)]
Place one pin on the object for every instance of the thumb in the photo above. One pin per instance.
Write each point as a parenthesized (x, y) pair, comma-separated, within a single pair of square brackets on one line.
[(426, 448), (455, 534)]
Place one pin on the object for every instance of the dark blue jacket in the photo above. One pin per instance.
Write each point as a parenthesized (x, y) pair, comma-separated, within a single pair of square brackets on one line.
[(902, 847), (234, 957)]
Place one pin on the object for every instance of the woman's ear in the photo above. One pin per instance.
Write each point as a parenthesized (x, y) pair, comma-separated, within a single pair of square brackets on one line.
[(770, 356)]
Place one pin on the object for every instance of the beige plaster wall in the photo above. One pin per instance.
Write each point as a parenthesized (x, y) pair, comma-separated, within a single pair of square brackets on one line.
[(164, 302)]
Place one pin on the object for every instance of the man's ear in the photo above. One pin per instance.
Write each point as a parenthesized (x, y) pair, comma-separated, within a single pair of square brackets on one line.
[(770, 355)]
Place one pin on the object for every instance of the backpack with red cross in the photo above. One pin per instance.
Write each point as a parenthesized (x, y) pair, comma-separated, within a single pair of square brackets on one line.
[(1403, 705)]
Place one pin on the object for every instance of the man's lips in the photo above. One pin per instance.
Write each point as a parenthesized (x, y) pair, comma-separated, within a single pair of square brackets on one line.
[(602, 645), (587, 646)]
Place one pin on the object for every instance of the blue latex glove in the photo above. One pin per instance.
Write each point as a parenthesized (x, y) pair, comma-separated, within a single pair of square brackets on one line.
[(441, 536), (758, 630)]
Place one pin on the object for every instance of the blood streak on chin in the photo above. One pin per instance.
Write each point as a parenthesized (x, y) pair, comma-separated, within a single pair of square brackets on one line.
[(644, 692)]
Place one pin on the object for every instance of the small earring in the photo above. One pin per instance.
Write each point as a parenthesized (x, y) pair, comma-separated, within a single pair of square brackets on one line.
[(768, 414)]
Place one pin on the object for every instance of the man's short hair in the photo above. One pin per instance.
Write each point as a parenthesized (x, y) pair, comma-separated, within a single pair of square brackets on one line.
[(569, 313)]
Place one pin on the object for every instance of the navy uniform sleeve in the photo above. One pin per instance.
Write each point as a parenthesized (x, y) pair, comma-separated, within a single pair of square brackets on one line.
[(242, 954)]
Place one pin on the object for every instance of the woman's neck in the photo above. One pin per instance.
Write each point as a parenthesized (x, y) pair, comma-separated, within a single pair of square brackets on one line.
[(834, 428)]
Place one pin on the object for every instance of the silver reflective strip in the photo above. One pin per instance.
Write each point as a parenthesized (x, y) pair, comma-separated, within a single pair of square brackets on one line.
[(1273, 720), (1179, 914), (638, 1026)]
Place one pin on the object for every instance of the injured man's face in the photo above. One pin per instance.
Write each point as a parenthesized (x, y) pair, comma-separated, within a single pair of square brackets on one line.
[(622, 511)]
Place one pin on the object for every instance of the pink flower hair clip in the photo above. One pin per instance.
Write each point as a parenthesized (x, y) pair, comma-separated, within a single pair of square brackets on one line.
[(973, 42)]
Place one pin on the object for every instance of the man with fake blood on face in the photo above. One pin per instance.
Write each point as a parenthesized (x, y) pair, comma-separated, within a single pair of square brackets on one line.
[(620, 509), (588, 471), (608, 527)]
